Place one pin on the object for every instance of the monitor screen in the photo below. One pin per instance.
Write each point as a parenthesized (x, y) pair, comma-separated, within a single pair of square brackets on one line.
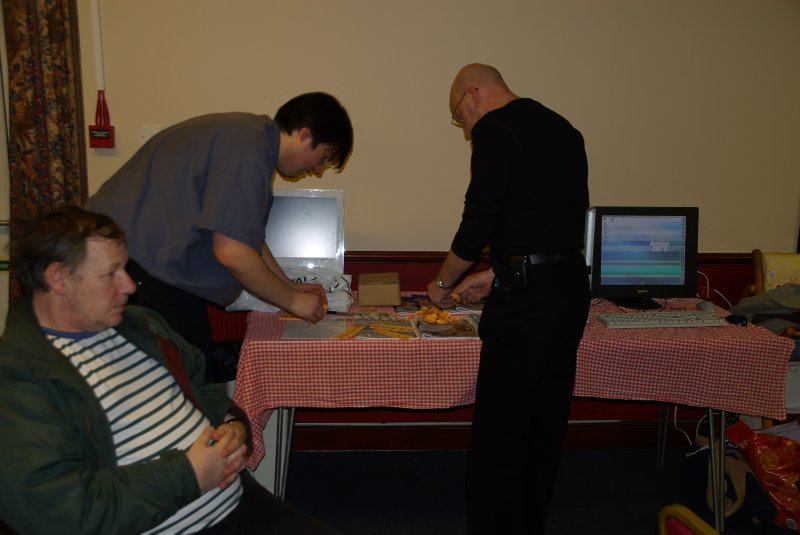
[(641, 253), (306, 228)]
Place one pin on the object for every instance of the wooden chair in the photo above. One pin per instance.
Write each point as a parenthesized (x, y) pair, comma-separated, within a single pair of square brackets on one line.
[(677, 519), (771, 270)]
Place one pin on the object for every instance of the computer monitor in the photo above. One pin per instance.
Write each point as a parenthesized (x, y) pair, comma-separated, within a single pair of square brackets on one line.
[(638, 253), (306, 228)]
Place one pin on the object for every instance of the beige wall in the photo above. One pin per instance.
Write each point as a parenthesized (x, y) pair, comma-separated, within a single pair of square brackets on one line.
[(681, 102)]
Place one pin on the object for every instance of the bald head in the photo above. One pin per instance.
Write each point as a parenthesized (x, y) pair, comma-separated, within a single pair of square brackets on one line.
[(478, 89), (478, 74)]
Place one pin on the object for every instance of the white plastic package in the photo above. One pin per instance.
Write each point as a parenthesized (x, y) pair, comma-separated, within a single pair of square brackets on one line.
[(337, 290)]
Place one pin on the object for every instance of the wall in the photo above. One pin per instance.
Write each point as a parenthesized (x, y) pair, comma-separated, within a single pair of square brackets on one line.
[(681, 102)]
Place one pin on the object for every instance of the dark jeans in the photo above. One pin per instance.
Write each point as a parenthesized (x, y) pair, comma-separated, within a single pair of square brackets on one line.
[(188, 315), (260, 512), (530, 338)]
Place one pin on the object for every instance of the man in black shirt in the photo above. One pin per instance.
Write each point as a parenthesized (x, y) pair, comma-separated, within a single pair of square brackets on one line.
[(526, 201)]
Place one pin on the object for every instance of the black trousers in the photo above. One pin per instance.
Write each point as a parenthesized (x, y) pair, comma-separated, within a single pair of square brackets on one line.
[(530, 338), (260, 512), (188, 315)]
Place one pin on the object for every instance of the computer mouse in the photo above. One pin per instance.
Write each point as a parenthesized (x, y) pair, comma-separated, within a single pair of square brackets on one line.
[(737, 319), (706, 306)]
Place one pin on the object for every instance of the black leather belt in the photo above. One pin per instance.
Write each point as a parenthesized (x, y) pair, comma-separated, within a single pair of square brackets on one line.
[(543, 258), (512, 272)]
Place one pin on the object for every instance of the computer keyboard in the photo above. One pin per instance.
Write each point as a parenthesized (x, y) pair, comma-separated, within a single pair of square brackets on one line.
[(654, 320)]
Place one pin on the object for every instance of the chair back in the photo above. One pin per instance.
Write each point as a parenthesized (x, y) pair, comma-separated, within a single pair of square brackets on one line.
[(771, 270)]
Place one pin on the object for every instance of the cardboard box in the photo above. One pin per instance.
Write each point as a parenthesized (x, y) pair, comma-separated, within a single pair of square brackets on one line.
[(379, 289)]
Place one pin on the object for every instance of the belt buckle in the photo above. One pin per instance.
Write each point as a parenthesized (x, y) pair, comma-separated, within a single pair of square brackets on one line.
[(543, 258)]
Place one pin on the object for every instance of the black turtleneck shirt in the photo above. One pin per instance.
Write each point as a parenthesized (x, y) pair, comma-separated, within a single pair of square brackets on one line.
[(529, 187)]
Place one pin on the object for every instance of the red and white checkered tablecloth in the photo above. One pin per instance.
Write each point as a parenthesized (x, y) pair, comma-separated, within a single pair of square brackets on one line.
[(731, 368), (406, 374), (737, 369)]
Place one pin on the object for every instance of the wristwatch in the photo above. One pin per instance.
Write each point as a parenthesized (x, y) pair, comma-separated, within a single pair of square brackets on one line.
[(439, 284)]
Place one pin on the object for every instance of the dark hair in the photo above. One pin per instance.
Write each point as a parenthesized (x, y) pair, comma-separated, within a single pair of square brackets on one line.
[(58, 236), (325, 117)]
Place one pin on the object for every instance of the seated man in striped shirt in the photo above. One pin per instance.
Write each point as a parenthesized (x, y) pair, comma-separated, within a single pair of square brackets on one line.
[(109, 424)]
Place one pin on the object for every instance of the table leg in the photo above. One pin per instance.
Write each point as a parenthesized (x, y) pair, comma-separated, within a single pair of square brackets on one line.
[(717, 458), (285, 424), (661, 447), (721, 473)]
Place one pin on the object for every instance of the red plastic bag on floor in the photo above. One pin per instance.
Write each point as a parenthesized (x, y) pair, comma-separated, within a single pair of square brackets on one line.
[(775, 460)]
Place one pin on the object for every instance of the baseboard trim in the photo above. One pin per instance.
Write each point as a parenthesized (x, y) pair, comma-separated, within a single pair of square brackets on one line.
[(628, 434)]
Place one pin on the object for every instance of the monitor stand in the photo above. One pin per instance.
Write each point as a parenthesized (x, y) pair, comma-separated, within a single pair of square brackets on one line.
[(638, 303)]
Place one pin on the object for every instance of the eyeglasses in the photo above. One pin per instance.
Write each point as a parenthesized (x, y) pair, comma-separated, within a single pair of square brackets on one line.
[(456, 119)]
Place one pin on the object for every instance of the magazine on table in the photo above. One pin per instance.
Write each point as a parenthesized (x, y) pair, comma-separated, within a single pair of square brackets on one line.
[(411, 304), (436, 324)]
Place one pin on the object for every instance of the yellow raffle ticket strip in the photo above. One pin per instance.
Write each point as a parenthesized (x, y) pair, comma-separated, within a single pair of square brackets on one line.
[(349, 332), (393, 331)]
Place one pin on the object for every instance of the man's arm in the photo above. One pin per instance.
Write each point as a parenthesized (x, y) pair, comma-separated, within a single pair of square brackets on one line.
[(232, 439), (269, 259), (82, 493), (474, 287), (272, 264), (450, 272), (249, 268)]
